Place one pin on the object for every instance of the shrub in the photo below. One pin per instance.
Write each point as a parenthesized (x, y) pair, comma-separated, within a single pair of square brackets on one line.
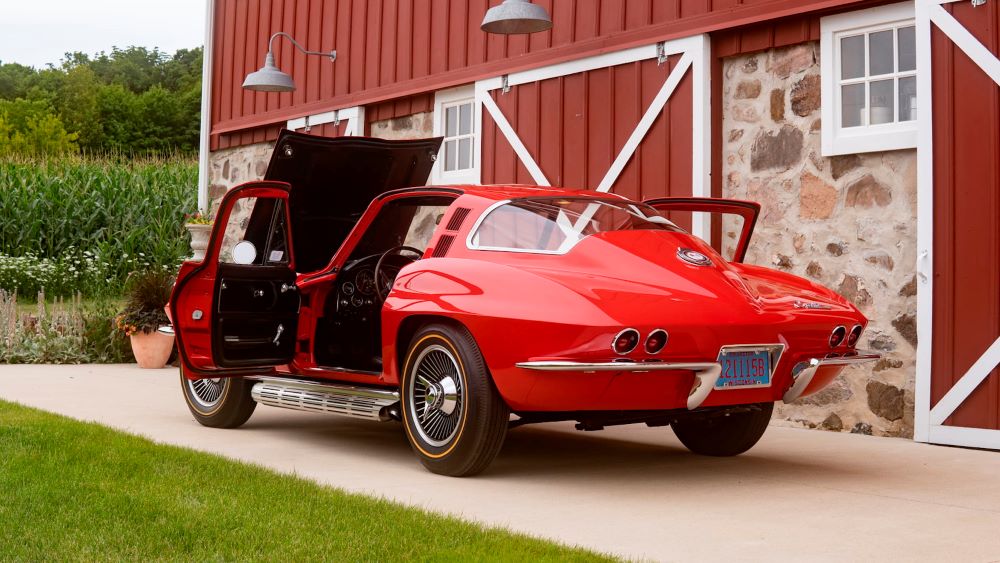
[(63, 332), (146, 294)]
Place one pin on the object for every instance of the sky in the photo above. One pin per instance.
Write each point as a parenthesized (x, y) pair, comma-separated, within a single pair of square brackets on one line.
[(39, 32)]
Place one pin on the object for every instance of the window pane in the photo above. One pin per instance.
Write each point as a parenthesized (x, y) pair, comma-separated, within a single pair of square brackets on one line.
[(449, 155), (465, 119), (451, 122), (880, 53), (465, 154), (907, 48), (852, 105), (881, 101), (908, 98), (852, 57)]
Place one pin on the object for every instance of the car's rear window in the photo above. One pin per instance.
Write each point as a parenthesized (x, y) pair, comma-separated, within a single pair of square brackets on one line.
[(555, 225)]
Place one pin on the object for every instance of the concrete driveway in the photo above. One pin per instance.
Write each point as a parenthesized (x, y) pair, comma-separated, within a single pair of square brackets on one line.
[(633, 491)]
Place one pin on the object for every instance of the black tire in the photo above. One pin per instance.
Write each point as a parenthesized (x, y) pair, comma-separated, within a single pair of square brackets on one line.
[(219, 403), (455, 428), (723, 435)]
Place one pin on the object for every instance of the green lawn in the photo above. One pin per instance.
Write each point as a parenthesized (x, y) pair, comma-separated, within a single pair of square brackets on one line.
[(76, 491)]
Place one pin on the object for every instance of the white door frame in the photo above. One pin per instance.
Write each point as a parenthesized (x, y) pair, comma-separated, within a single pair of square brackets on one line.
[(929, 421), (695, 52), (355, 117)]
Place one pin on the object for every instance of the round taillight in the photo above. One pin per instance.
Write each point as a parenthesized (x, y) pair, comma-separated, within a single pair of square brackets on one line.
[(625, 341), (837, 336), (656, 341), (854, 335)]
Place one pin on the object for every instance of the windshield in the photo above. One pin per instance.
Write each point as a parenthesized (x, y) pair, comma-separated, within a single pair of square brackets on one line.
[(555, 225)]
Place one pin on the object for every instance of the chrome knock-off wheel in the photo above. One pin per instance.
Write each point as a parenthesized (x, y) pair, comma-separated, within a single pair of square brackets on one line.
[(436, 395), (206, 392)]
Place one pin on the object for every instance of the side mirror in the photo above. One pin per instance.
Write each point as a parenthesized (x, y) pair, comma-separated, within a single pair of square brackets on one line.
[(244, 252)]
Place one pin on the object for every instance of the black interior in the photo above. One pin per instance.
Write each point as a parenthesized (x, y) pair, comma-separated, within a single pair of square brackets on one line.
[(348, 335), (252, 303), (335, 179)]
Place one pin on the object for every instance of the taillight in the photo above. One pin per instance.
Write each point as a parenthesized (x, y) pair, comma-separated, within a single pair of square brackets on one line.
[(854, 335), (625, 341), (837, 336), (656, 341)]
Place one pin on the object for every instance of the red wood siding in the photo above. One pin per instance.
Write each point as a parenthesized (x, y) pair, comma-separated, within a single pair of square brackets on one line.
[(389, 49), (966, 215), (574, 127)]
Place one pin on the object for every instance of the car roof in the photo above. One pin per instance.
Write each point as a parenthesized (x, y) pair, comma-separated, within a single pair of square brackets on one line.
[(500, 192)]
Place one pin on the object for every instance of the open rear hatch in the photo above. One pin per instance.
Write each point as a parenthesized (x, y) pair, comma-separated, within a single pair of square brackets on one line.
[(334, 179)]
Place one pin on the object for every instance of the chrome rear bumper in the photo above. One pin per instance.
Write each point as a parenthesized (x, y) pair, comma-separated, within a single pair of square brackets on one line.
[(803, 372), (706, 373)]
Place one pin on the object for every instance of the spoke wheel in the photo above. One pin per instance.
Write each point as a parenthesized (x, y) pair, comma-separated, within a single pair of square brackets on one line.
[(436, 396), (453, 415), (206, 392), (221, 402)]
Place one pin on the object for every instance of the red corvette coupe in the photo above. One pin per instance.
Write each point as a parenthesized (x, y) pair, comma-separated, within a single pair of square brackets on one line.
[(334, 286)]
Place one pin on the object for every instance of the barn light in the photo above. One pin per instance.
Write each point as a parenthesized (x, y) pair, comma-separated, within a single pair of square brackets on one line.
[(516, 16), (270, 78)]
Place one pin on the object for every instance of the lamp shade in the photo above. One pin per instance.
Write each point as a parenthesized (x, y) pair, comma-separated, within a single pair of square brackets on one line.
[(269, 78), (516, 16)]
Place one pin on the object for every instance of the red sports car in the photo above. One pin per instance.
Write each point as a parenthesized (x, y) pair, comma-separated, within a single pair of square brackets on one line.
[(335, 286)]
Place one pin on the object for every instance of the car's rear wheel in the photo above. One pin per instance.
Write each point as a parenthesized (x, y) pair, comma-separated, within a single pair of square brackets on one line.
[(454, 417), (724, 434), (223, 402)]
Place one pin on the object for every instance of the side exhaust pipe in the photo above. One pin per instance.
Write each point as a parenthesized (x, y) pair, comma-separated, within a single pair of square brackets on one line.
[(368, 403)]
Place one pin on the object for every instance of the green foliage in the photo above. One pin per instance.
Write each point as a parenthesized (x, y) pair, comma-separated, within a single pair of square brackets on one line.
[(61, 332), (83, 224), (76, 491), (146, 294), (132, 101)]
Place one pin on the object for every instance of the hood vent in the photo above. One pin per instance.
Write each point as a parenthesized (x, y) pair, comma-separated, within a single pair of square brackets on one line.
[(443, 245), (457, 218)]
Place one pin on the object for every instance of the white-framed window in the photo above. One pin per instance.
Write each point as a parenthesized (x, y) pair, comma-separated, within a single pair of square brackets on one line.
[(869, 82), (457, 118)]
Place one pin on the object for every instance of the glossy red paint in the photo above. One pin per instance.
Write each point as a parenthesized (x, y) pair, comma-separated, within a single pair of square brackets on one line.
[(523, 306)]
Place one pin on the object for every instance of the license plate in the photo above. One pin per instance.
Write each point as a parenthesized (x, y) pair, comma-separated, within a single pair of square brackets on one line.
[(744, 368)]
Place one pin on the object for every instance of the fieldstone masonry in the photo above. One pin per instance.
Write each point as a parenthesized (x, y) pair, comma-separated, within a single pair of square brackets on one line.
[(847, 222)]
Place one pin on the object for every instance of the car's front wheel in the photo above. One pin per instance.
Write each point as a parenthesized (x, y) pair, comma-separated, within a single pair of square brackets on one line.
[(724, 434), (223, 402), (454, 417)]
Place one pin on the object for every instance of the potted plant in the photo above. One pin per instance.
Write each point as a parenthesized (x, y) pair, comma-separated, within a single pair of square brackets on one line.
[(146, 294), (200, 227)]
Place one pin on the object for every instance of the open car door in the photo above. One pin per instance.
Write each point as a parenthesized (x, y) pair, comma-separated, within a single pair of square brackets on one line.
[(237, 311), (726, 209)]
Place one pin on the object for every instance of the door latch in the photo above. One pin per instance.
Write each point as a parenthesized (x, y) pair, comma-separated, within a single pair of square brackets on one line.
[(286, 287), (277, 335)]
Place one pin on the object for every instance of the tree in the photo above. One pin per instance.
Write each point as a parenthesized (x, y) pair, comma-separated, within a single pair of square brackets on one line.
[(32, 128)]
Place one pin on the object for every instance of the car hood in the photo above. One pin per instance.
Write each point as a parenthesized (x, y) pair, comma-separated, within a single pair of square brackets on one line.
[(334, 179)]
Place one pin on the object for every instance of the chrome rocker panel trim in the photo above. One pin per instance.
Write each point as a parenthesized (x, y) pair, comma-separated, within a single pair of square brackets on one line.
[(706, 373), (334, 398), (803, 372)]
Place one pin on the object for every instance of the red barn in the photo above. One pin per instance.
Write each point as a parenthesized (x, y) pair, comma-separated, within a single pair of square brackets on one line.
[(868, 130)]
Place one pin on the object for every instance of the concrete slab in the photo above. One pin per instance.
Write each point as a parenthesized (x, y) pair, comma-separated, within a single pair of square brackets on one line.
[(633, 491)]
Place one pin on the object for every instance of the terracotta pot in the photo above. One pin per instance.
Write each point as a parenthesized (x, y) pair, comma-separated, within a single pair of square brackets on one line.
[(152, 350), (199, 239)]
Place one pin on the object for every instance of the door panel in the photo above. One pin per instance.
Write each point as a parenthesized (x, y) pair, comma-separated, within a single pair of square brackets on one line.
[(240, 317), (736, 215)]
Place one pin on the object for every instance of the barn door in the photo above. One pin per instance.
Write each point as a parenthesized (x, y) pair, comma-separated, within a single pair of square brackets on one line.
[(635, 122), (958, 386)]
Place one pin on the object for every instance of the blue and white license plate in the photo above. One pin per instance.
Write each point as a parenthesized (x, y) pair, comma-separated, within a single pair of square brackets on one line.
[(744, 368)]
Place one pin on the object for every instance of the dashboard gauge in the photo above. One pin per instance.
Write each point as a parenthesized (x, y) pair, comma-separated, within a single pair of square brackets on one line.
[(357, 301), (366, 282), (348, 288)]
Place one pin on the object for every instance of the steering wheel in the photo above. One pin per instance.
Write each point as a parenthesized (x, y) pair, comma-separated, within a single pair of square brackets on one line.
[(382, 289)]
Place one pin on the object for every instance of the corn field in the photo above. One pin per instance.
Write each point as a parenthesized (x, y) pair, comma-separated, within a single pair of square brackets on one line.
[(82, 224)]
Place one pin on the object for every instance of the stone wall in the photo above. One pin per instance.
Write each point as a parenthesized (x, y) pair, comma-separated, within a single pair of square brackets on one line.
[(847, 222), (416, 126)]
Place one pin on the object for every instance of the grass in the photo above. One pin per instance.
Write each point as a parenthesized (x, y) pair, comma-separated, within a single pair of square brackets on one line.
[(77, 491)]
